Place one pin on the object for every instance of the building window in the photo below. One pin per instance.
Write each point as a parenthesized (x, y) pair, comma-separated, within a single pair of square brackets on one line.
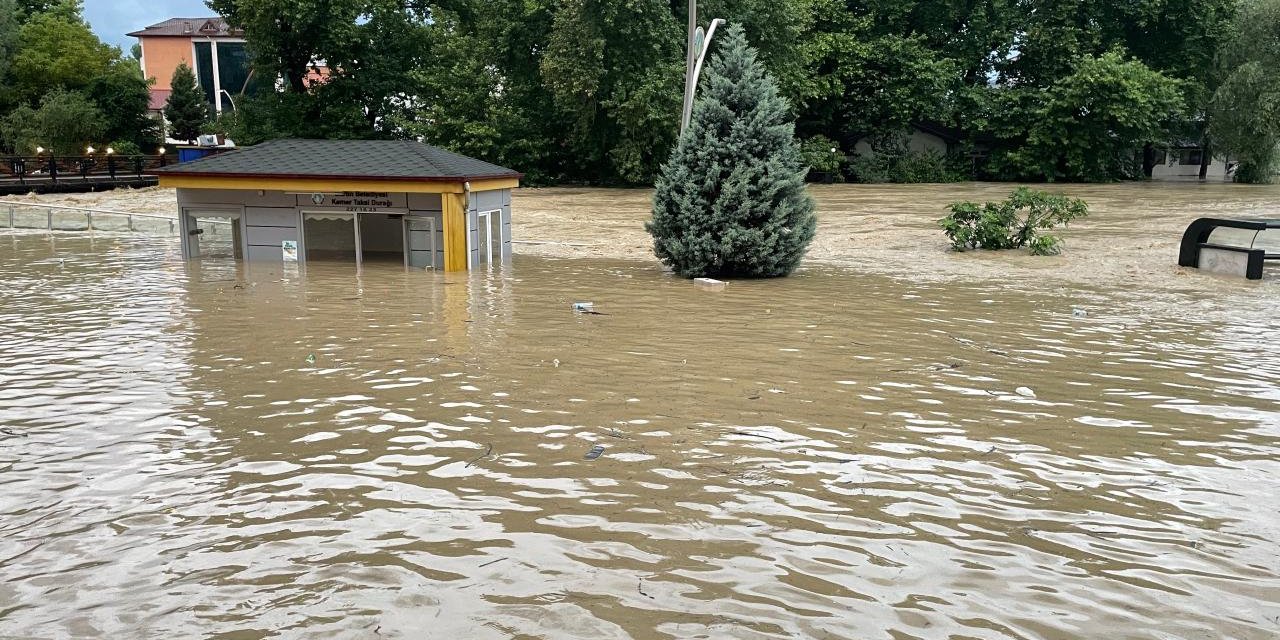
[(223, 72), (204, 72), (1189, 157), (233, 70)]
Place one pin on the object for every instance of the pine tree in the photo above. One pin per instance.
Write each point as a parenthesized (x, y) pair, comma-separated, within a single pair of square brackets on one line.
[(731, 199), (186, 109)]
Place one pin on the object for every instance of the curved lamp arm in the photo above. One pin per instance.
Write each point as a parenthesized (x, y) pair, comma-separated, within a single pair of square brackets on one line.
[(695, 72)]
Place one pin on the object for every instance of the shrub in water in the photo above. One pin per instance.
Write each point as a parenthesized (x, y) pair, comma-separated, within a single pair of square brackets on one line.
[(822, 154), (731, 199), (890, 159), (1013, 223)]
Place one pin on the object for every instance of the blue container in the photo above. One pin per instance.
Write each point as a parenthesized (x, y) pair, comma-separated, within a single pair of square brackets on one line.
[(187, 154)]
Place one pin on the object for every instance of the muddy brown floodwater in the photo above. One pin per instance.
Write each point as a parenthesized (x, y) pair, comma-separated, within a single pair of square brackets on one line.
[(215, 451)]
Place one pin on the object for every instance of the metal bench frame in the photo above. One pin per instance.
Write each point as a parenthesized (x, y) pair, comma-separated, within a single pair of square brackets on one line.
[(1196, 238)]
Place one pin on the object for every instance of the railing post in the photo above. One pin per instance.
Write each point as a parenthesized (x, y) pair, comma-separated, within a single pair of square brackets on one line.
[(130, 223), (49, 216), (11, 221), (88, 219)]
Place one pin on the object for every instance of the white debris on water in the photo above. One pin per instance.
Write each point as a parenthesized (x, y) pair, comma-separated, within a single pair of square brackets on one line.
[(1025, 392), (710, 284)]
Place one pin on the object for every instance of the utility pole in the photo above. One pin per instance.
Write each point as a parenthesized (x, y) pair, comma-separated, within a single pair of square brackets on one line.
[(696, 54)]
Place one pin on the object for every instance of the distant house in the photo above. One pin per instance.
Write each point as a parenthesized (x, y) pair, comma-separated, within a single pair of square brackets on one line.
[(1181, 161), (214, 50), (923, 138)]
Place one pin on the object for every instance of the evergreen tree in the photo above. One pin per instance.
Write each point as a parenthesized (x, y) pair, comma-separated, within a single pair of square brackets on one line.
[(731, 199), (186, 109)]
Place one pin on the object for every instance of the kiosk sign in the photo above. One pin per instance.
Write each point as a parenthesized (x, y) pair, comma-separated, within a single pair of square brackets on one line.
[(357, 201), (362, 201)]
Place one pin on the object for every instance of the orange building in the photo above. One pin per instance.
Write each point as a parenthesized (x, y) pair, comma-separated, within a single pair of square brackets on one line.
[(214, 50)]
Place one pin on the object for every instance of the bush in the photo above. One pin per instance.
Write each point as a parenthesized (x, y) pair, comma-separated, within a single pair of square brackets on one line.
[(731, 199), (126, 148), (822, 154), (1012, 224), (890, 160)]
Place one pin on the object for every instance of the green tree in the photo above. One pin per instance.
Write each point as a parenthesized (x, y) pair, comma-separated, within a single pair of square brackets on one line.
[(57, 50), (731, 199), (28, 8), (613, 69), (18, 132), (124, 98), (65, 123), (862, 81), (481, 90), (1246, 106), (286, 37), (9, 24), (1087, 125), (186, 108), (371, 49)]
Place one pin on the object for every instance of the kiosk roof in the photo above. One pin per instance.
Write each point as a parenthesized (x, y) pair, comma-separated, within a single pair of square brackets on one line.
[(395, 160)]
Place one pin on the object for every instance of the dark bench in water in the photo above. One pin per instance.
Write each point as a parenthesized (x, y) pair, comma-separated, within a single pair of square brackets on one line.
[(1198, 252)]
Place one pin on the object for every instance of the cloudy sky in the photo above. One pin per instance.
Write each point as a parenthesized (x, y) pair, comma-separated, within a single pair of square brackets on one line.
[(111, 19)]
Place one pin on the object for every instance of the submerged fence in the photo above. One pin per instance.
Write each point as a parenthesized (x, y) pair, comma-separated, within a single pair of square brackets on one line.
[(50, 217)]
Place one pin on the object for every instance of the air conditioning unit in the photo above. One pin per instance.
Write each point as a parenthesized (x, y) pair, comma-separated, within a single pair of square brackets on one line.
[(209, 140)]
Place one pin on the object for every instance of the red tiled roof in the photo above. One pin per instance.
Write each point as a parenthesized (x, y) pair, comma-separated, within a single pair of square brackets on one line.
[(158, 98)]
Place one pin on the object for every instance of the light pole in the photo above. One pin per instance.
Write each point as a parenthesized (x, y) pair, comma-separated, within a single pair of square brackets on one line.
[(699, 44), (233, 102)]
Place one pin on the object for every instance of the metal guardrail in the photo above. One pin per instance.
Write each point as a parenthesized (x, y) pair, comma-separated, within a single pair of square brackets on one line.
[(52, 217)]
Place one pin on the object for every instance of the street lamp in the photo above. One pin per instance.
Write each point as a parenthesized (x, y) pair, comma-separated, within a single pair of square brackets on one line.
[(39, 150), (90, 150), (233, 102), (699, 44)]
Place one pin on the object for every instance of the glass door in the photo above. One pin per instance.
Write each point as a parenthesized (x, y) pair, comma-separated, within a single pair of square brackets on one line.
[(420, 238), (485, 235), (214, 234)]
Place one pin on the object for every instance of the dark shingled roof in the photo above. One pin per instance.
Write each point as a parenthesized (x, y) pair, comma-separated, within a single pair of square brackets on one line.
[(190, 27), (343, 159)]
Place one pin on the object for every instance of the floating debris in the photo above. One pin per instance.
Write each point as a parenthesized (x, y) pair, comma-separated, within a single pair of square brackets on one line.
[(1079, 313), (595, 452), (588, 308), (1025, 392), (710, 284), (311, 358)]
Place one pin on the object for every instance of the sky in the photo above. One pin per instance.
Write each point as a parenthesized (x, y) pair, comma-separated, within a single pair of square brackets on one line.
[(111, 19)]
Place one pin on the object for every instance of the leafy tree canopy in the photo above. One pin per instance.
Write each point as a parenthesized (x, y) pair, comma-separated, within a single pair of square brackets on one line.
[(1246, 105), (57, 50)]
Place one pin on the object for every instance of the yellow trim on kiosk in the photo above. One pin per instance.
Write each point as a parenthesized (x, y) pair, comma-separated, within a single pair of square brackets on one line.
[(322, 185), (454, 212)]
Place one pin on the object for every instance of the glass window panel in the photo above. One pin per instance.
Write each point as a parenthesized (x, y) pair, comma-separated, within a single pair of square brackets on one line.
[(204, 69), (233, 70), (482, 238)]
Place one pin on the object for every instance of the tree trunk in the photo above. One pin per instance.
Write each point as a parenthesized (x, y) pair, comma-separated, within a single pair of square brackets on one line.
[(1206, 159), (1148, 159)]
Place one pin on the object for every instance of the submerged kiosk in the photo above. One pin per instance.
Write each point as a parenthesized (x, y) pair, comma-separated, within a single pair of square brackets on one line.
[(356, 200)]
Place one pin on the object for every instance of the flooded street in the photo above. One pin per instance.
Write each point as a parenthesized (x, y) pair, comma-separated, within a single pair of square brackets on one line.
[(221, 451)]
